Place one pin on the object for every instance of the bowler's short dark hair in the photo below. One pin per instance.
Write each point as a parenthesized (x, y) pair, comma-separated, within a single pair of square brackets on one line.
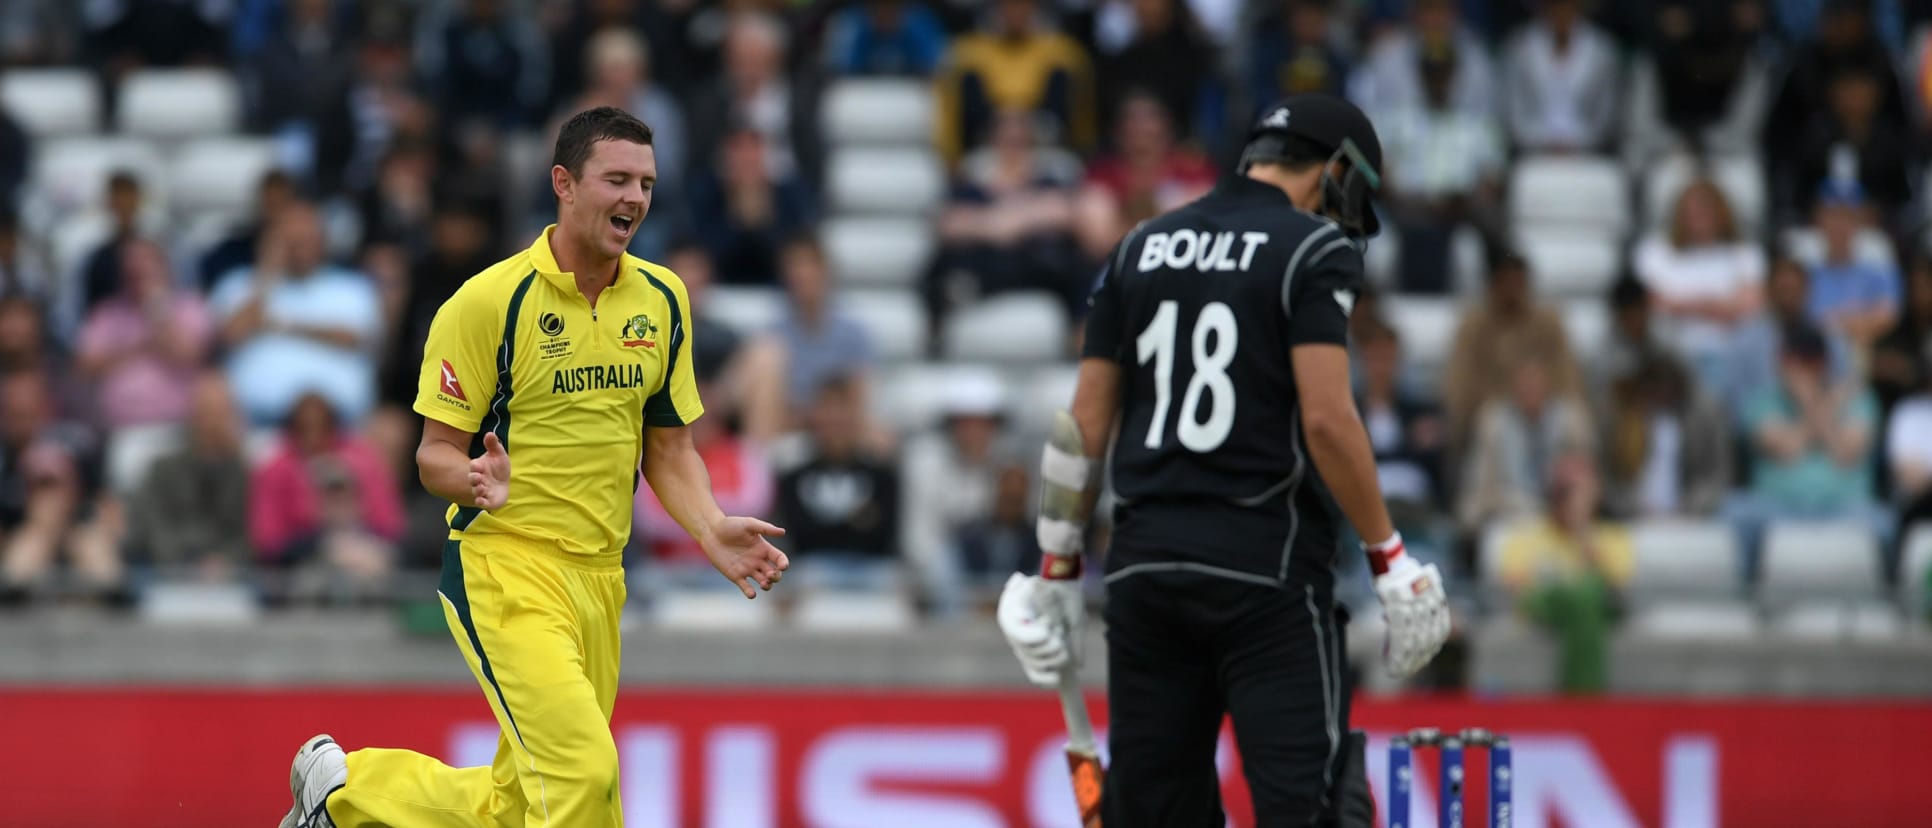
[(586, 128)]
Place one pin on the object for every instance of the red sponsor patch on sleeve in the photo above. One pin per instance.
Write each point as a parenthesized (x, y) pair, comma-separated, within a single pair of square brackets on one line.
[(450, 385)]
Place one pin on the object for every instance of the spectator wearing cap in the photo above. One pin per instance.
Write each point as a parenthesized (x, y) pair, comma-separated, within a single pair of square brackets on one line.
[(1018, 60), (295, 324), (951, 483), (1811, 445), (1759, 342), (1853, 296), (898, 38), (1508, 326), (838, 499), (1294, 50), (819, 341), (324, 505), (1444, 164), (1560, 76)]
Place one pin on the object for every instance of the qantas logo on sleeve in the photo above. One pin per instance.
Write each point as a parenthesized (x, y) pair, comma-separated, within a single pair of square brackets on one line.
[(450, 386)]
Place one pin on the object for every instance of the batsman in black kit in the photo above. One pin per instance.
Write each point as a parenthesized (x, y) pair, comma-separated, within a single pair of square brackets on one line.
[(1216, 361)]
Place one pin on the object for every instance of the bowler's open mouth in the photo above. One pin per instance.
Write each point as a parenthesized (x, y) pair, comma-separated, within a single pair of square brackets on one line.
[(622, 224)]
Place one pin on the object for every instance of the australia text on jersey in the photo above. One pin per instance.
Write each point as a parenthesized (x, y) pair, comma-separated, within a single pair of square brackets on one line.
[(596, 378)]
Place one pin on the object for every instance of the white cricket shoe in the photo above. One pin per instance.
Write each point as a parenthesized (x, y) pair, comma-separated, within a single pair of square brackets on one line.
[(320, 768)]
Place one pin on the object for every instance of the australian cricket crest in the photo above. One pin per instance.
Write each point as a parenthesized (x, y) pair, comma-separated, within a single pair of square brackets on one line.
[(639, 332)]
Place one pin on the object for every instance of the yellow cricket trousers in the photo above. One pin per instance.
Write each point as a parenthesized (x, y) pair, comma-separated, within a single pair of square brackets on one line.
[(539, 629)]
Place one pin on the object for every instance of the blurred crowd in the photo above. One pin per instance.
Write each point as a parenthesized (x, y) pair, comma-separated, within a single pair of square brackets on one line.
[(235, 404)]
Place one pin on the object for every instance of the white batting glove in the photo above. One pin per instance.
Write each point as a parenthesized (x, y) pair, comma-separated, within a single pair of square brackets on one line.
[(1042, 620), (1415, 605)]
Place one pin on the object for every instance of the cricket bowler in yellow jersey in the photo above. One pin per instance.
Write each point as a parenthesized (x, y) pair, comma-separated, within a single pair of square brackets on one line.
[(575, 356)]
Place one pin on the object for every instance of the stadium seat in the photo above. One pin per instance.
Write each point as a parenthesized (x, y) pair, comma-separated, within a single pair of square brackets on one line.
[(1807, 245), (1697, 621), (894, 319), (850, 611), (1011, 327), (888, 252), (52, 102), (1915, 590), (1570, 262), (219, 173), (877, 111), (909, 398), (1048, 390), (1819, 560), (745, 310), (179, 103), (71, 174), (1427, 326), (1570, 192), (1684, 559), (898, 182), (1828, 622), (710, 609), (1587, 322), (169, 602), (1739, 176)]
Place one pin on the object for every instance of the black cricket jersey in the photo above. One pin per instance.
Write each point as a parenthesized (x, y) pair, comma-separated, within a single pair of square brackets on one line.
[(1200, 308)]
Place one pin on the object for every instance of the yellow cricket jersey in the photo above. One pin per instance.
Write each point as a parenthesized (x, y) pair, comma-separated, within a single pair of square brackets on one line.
[(519, 351)]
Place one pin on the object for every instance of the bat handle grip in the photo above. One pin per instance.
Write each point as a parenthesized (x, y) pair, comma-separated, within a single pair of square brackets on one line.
[(1073, 706)]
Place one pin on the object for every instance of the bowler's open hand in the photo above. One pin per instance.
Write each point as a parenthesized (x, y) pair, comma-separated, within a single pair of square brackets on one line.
[(737, 546)]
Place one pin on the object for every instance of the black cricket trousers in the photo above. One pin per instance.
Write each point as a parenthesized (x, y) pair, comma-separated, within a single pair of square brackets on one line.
[(1183, 648)]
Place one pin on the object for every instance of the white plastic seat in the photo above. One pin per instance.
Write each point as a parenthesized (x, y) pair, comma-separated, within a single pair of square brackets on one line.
[(1578, 191), (711, 609), (1586, 322), (880, 251), (852, 611), (877, 111), (1048, 390), (1819, 560), (910, 398), (1738, 176), (1818, 622), (52, 102), (1426, 325), (72, 173), (1684, 559), (222, 173), (1026, 327), (171, 602), (1698, 621), (898, 182), (745, 310), (895, 320), (179, 103), (1571, 262)]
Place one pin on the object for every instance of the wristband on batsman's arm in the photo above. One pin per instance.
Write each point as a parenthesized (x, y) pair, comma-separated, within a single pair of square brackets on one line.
[(1382, 555), (1060, 567)]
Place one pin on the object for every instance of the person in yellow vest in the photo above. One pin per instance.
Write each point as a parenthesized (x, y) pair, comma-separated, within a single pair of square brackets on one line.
[(575, 356)]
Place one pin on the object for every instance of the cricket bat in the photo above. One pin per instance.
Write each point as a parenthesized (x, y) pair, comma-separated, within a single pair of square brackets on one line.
[(1083, 754)]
